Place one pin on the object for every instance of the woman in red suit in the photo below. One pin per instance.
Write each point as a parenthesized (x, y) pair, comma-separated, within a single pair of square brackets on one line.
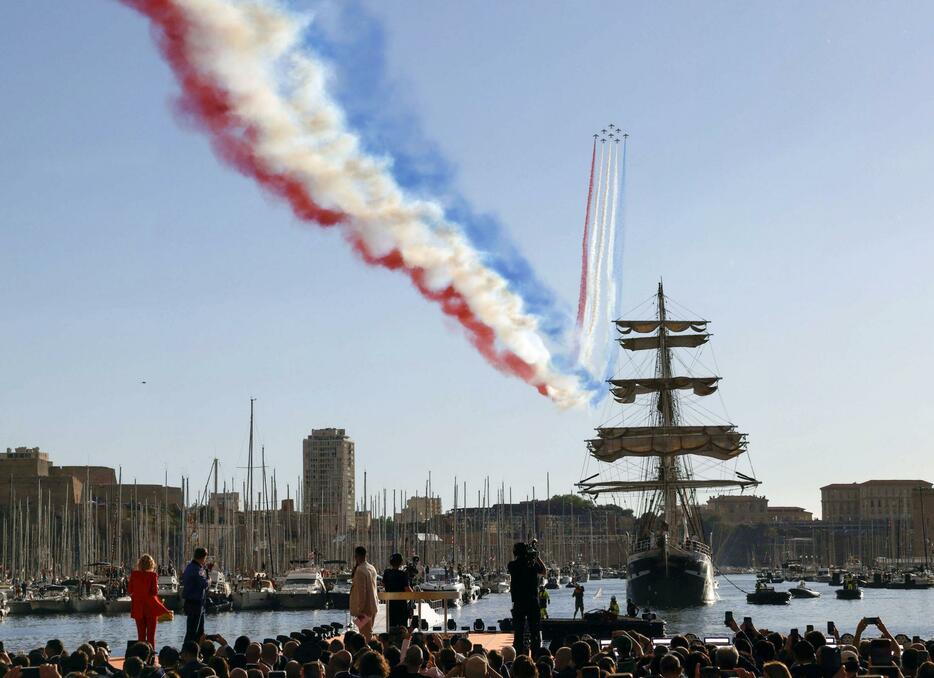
[(146, 607)]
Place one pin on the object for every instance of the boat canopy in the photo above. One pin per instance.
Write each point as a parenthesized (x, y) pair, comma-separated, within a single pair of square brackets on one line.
[(626, 390), (718, 442), (653, 343), (646, 326)]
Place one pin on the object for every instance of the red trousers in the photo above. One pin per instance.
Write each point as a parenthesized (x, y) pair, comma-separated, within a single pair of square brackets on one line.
[(146, 630)]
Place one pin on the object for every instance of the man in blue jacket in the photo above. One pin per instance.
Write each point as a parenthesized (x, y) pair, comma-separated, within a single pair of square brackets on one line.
[(194, 586)]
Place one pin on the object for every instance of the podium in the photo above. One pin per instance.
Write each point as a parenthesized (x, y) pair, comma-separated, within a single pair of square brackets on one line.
[(420, 597)]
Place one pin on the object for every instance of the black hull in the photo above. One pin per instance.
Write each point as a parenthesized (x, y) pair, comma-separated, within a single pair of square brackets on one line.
[(338, 601), (670, 578)]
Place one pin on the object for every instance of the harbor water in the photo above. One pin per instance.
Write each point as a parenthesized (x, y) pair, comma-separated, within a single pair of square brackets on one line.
[(909, 612)]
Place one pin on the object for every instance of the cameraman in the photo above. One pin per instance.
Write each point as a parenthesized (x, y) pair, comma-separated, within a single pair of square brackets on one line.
[(524, 572)]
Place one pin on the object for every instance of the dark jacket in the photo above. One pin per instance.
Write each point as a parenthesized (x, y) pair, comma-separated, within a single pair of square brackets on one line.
[(194, 583)]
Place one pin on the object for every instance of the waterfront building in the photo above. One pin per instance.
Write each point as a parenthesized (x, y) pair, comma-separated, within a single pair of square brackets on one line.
[(328, 479), (788, 514), (738, 509), (419, 509), (880, 501)]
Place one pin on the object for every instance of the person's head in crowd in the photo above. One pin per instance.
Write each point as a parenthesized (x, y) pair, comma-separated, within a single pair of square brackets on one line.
[(76, 662), (727, 658), (220, 666), (207, 650), (545, 670), (133, 667), (191, 652), (680, 641), (393, 656), (241, 644), (255, 673), (476, 667), (926, 670), (168, 658), (37, 657), (777, 641), (339, 662), (313, 669), (288, 650), (54, 648), (803, 652), (695, 659), (413, 659), (606, 663), (763, 651), (269, 655), (354, 642), (775, 670), (815, 638), (563, 657), (238, 673), (509, 655), (580, 654), (523, 667), (373, 665), (254, 652), (669, 666)]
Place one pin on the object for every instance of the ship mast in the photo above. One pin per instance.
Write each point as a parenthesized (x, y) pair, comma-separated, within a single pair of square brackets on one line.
[(668, 469)]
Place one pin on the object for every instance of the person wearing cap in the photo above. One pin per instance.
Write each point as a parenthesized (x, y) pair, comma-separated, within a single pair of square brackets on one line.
[(195, 584)]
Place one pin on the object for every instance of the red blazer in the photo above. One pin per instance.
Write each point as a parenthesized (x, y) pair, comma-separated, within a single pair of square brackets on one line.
[(143, 589)]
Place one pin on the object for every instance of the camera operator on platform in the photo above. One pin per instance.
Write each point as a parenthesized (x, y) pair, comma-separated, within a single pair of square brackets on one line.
[(524, 572)]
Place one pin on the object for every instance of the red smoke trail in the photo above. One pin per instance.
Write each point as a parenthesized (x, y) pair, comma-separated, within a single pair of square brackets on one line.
[(582, 299), (208, 105)]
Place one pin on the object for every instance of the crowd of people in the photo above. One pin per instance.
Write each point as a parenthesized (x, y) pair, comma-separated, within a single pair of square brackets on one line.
[(405, 652)]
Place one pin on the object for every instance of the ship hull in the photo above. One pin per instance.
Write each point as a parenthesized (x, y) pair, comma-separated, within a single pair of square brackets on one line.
[(670, 577)]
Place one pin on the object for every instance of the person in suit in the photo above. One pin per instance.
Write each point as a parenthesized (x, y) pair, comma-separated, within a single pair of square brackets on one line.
[(146, 607)]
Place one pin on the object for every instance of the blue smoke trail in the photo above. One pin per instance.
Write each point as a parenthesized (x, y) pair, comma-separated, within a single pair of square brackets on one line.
[(387, 128)]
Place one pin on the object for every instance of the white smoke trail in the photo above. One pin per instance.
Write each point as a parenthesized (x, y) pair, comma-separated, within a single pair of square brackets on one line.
[(600, 235), (252, 50), (587, 327), (611, 282)]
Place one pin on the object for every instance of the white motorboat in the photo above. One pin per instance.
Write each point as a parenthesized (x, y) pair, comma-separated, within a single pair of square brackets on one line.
[(118, 605), (596, 572), (90, 603), (52, 599), (564, 580), (303, 589), (339, 595), (168, 591), (438, 579), (260, 596)]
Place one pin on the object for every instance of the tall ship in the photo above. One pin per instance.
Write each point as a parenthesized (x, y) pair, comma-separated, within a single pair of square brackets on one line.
[(669, 563)]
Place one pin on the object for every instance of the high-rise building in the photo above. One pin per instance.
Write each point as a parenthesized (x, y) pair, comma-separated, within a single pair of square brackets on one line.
[(328, 475)]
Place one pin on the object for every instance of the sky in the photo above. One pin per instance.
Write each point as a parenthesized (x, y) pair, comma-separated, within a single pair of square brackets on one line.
[(779, 179)]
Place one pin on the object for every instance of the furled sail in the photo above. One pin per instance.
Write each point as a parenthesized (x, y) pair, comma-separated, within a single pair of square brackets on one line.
[(671, 341), (640, 485), (717, 442), (646, 326), (626, 390)]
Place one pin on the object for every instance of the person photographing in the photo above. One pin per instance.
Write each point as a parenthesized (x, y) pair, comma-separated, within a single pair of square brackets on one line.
[(195, 584), (524, 571)]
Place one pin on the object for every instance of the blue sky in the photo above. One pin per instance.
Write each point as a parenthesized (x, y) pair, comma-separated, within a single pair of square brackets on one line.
[(779, 180)]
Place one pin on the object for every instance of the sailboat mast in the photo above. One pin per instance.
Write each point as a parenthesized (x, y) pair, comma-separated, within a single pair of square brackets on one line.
[(668, 467)]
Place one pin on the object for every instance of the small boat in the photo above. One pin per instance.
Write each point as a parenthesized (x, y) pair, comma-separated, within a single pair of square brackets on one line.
[(261, 596), (303, 589), (52, 599), (849, 594), (564, 580), (767, 595), (168, 591), (908, 581), (339, 595), (19, 606), (438, 579), (802, 591), (596, 572), (90, 603), (118, 605), (471, 588), (552, 582)]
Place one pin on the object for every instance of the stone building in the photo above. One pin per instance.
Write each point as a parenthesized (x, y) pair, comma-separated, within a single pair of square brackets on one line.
[(328, 478)]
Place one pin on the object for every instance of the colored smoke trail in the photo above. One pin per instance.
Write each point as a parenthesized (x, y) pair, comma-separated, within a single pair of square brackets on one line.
[(264, 101), (601, 265), (582, 298)]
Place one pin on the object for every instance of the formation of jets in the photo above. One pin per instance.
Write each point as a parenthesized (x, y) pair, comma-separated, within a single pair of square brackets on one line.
[(612, 133)]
